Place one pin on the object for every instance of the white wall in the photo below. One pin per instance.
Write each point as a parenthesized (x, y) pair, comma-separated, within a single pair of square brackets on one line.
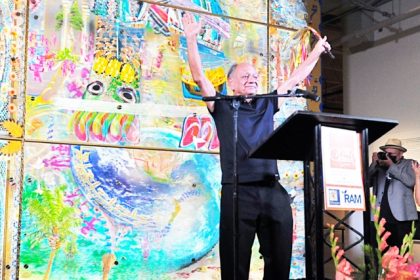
[(384, 82)]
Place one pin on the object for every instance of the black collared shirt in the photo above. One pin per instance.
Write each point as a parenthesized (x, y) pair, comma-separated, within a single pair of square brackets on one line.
[(255, 124)]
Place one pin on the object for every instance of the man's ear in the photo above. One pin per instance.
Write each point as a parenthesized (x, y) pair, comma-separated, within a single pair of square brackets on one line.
[(230, 84)]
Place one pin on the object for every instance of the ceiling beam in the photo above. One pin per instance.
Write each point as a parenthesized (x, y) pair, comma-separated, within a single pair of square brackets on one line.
[(347, 9), (394, 37), (366, 6), (359, 34)]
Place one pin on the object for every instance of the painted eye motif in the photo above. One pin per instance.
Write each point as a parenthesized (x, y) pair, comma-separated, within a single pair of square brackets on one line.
[(95, 88), (127, 94)]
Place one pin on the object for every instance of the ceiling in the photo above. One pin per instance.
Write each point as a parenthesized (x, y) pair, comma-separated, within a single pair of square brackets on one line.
[(350, 26)]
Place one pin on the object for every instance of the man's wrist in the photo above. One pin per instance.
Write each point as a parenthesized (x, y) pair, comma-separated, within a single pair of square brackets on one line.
[(191, 38), (320, 51)]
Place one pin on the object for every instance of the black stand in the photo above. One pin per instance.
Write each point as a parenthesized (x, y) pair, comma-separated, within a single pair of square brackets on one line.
[(236, 101), (235, 104), (299, 138)]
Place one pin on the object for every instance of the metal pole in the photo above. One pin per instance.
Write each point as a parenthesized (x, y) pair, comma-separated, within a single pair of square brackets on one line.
[(319, 195)]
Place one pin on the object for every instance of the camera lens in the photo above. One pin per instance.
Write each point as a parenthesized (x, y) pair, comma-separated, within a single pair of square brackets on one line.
[(382, 156)]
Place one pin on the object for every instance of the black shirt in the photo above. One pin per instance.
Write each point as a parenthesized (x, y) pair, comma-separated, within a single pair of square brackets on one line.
[(385, 207), (255, 124)]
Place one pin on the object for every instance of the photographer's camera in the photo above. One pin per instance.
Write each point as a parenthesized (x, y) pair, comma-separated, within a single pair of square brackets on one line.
[(382, 156), (385, 156)]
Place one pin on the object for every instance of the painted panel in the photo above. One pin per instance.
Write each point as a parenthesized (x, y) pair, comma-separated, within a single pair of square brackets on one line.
[(246, 10), (10, 188), (292, 13), (291, 178), (95, 212), (287, 50), (91, 212), (115, 73), (12, 58), (111, 80)]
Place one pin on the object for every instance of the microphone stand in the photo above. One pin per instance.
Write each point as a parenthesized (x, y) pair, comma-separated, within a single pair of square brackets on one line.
[(290, 93), (236, 102)]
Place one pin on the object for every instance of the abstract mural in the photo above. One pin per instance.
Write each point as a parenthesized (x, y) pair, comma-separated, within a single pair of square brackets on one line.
[(151, 212), (111, 81), (10, 179), (109, 163)]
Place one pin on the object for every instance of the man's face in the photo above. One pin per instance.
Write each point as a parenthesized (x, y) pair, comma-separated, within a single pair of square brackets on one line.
[(394, 153), (244, 80)]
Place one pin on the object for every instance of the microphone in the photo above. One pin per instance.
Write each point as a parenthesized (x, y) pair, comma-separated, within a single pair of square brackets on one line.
[(330, 54), (319, 37), (297, 92)]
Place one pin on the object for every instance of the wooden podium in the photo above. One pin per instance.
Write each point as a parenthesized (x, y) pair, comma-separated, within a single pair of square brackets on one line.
[(299, 138)]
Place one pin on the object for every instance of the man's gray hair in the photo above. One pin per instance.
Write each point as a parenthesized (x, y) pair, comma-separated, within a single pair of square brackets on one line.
[(232, 69)]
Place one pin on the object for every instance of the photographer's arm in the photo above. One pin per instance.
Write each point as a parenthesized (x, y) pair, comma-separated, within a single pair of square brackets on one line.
[(191, 30), (403, 172), (373, 168)]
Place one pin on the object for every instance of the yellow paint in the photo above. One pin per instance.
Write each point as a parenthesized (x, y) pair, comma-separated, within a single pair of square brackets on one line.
[(15, 129), (113, 68), (175, 212), (128, 74), (100, 64), (217, 76)]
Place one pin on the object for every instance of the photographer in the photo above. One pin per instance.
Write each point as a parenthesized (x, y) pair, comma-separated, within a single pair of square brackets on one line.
[(393, 179)]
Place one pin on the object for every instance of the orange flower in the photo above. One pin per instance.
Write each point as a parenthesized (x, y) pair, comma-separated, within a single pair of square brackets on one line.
[(393, 263), (401, 275), (381, 228), (384, 244), (343, 270)]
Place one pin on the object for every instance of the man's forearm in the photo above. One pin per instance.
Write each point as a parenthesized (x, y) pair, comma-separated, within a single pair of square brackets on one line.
[(197, 72), (303, 70), (194, 59)]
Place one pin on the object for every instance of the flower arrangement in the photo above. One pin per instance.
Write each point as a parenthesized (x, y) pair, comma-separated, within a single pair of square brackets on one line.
[(385, 262)]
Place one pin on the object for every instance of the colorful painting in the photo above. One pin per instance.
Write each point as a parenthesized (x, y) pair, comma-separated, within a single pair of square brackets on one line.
[(12, 58), (107, 80), (10, 180), (128, 213), (3, 178), (287, 50), (246, 10), (285, 13), (294, 14), (291, 178), (90, 211), (103, 132)]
